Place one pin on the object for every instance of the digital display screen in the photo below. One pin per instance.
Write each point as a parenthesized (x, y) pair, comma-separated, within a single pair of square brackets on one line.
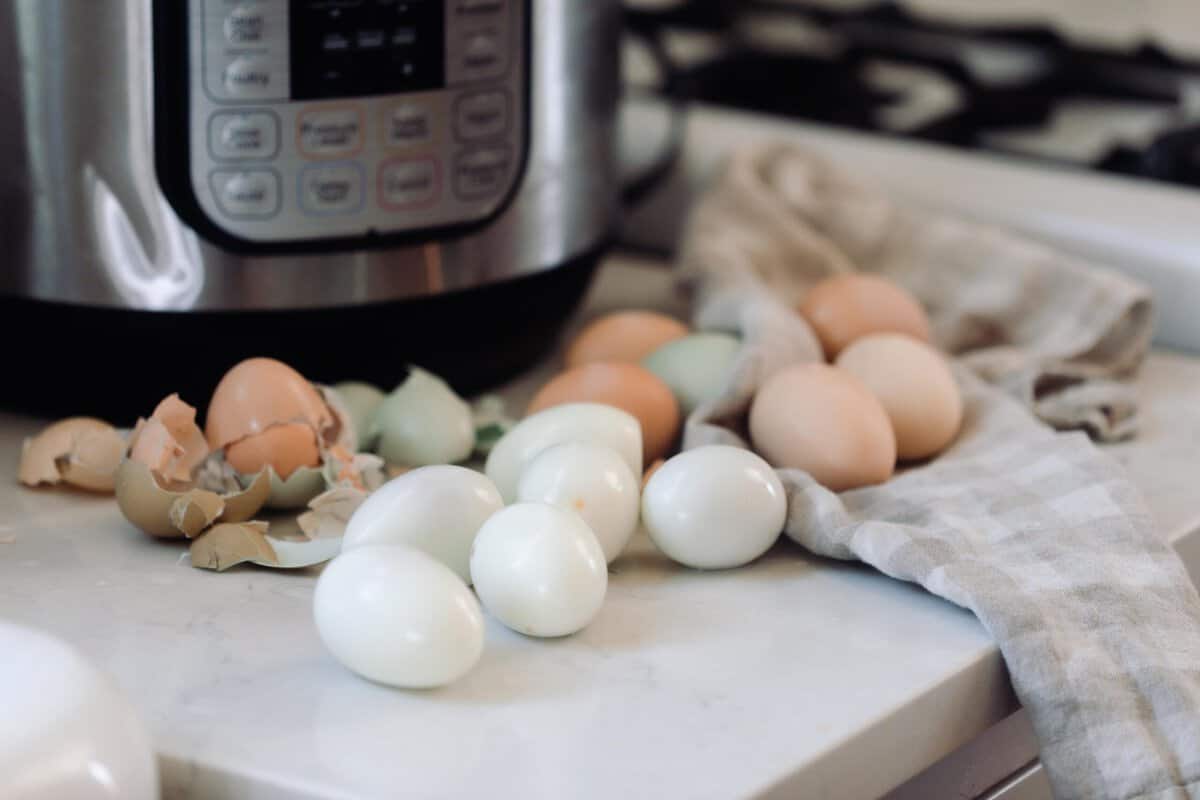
[(353, 48)]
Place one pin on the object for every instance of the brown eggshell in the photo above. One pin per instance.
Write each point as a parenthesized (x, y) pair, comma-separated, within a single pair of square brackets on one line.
[(159, 511), (624, 336), (241, 506), (846, 307), (80, 451), (259, 393), (628, 387), (286, 448), (170, 442), (826, 422), (916, 387), (169, 514)]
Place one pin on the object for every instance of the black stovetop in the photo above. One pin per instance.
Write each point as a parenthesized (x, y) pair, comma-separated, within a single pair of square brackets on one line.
[(1022, 90)]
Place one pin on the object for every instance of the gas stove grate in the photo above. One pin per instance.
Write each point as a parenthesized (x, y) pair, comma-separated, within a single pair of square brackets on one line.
[(1021, 90)]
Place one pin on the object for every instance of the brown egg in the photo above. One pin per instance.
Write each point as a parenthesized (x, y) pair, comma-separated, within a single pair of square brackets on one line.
[(624, 336), (823, 420), (845, 307), (916, 387), (265, 413), (628, 387)]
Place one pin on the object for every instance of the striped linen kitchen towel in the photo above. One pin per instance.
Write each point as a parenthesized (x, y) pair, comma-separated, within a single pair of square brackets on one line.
[(1024, 521)]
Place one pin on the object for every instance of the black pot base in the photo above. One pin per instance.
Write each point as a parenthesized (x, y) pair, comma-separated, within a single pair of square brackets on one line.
[(66, 360)]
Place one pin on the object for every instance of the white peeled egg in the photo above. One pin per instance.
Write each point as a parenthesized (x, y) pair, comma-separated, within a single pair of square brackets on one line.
[(422, 422), (398, 616), (714, 507), (539, 569), (591, 480), (437, 509), (572, 422)]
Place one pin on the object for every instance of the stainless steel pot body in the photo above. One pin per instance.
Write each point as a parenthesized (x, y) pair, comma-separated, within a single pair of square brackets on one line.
[(85, 220)]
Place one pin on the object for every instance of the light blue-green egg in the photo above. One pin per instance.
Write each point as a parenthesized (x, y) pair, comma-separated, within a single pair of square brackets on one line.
[(361, 401), (695, 367), (422, 422)]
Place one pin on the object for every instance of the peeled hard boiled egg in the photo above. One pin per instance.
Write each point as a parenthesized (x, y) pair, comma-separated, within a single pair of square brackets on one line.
[(916, 387), (422, 422), (398, 616), (591, 480), (574, 422), (437, 509), (846, 307), (625, 386), (714, 507), (694, 367), (623, 336), (539, 569), (826, 422)]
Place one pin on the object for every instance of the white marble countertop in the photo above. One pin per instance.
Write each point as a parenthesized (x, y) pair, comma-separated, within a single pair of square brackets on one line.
[(812, 678)]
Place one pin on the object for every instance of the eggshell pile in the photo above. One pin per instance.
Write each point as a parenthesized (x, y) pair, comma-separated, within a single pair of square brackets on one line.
[(826, 422), (591, 480), (714, 507), (625, 386), (914, 383), (539, 569), (398, 616), (843, 308), (436, 509), (623, 336)]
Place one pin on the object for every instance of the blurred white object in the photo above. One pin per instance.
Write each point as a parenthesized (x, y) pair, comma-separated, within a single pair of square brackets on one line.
[(66, 731)]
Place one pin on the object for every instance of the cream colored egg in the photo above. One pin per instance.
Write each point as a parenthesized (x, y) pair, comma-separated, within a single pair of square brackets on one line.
[(916, 387), (824, 421)]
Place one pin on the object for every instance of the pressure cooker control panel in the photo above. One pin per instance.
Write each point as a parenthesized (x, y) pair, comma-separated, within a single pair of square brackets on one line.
[(328, 119)]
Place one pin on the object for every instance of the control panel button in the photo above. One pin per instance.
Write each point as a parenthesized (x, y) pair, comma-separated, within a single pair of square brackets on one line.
[(243, 135), (407, 124), (250, 77), (408, 183), (247, 194), (479, 173), (481, 115), (331, 188), (483, 54), (330, 132), (246, 25)]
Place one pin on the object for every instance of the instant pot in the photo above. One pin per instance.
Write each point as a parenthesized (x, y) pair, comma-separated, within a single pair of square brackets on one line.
[(348, 185)]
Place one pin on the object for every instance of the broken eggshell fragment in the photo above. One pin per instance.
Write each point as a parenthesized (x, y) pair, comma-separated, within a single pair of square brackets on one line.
[(229, 544), (345, 427), (170, 442), (297, 489), (423, 422), (174, 513), (80, 451)]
